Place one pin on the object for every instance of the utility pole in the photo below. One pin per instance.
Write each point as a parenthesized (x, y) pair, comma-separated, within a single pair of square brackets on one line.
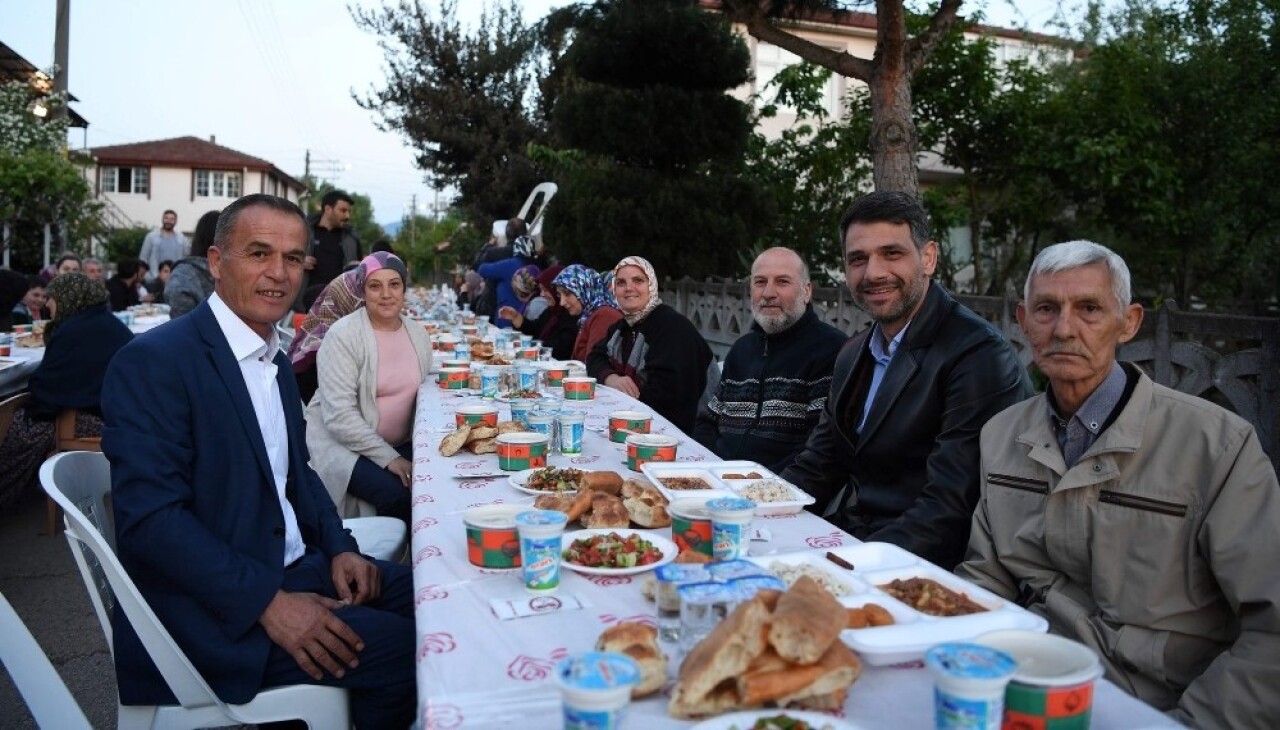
[(61, 55), (413, 221)]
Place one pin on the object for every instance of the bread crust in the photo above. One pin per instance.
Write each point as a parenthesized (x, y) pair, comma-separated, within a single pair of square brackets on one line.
[(807, 620), (608, 482), (640, 642), (726, 653), (484, 446), (607, 512), (452, 443)]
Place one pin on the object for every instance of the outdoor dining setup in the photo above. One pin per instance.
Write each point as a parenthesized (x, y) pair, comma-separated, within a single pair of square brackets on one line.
[(578, 561)]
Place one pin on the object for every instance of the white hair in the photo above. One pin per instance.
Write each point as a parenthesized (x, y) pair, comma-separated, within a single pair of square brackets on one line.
[(1074, 254)]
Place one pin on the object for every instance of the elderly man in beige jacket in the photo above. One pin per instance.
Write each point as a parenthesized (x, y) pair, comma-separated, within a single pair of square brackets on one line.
[(1138, 520)]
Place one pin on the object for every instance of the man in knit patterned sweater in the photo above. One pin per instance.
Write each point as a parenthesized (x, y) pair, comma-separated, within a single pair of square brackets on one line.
[(777, 376)]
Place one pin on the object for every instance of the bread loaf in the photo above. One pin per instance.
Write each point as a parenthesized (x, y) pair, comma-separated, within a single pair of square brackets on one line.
[(607, 512), (640, 642), (807, 620), (835, 670), (557, 502), (603, 481), (646, 513), (509, 427), (481, 432), (484, 446), (726, 653), (454, 441)]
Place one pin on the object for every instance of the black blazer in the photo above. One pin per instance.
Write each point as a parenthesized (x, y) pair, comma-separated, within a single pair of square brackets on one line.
[(913, 474)]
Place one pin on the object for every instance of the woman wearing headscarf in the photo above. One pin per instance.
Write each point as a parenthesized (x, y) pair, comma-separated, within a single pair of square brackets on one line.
[(340, 297), (583, 296), (654, 354), (190, 282), (80, 341), (556, 328), (525, 285), (360, 422), (502, 271)]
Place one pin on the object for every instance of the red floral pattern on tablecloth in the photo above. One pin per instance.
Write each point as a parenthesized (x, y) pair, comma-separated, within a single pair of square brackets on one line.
[(530, 669), (913, 664), (438, 643), (468, 465), (442, 717), (584, 459), (640, 618), (789, 516), (423, 499), (474, 483), (609, 580), (695, 457), (430, 551), (829, 540), (424, 523), (424, 478), (430, 593)]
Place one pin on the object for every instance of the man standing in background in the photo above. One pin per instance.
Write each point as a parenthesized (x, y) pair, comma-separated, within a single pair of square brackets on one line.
[(164, 243), (334, 245)]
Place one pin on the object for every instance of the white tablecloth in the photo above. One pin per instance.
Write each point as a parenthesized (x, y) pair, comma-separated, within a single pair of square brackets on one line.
[(14, 378), (476, 671)]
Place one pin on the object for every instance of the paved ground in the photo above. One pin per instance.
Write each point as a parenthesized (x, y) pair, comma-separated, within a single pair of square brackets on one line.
[(39, 577)]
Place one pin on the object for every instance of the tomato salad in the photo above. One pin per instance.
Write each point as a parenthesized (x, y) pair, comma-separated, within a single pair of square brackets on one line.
[(612, 551)]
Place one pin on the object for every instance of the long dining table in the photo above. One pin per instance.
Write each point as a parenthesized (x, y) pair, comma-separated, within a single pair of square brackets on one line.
[(16, 367), (476, 670)]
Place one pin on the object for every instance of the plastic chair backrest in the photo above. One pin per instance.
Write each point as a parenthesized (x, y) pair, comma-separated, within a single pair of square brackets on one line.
[(50, 702), (80, 482), (8, 407), (546, 191)]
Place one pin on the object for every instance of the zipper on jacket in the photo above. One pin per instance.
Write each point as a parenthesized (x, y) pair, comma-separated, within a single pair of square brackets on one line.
[(1143, 503), (1037, 486)]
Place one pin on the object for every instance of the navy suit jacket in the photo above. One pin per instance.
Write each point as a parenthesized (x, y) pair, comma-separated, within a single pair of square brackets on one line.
[(198, 523)]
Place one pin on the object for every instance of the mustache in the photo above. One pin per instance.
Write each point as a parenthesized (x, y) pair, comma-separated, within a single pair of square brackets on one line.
[(1063, 349)]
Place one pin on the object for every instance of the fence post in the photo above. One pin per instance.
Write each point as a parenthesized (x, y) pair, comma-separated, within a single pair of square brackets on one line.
[(1164, 345)]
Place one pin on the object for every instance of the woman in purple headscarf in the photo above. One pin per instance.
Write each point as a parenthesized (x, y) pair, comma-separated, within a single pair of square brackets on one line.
[(360, 422)]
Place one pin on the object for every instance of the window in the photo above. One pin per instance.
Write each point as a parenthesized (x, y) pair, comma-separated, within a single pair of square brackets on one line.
[(217, 184), (117, 179), (770, 60)]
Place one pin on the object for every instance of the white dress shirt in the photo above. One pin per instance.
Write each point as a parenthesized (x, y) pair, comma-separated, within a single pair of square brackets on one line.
[(255, 358)]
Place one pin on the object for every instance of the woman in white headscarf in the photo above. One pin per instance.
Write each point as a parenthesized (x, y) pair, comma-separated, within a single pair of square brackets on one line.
[(654, 353)]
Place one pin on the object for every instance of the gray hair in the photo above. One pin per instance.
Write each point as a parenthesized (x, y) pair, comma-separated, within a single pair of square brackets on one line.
[(1074, 254)]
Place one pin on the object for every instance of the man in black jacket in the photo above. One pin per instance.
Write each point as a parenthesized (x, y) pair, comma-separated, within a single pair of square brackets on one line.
[(898, 438), (334, 246), (776, 377)]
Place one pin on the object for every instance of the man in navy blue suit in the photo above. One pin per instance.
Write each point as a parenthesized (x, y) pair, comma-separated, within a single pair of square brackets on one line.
[(226, 530)]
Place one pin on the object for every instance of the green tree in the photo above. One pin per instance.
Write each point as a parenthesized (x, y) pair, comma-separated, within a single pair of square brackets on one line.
[(888, 74), (366, 229), (124, 243), (648, 146), (470, 104), (38, 184), (434, 246), (1166, 142)]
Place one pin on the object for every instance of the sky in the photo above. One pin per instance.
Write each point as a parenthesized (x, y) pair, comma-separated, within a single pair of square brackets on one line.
[(271, 79)]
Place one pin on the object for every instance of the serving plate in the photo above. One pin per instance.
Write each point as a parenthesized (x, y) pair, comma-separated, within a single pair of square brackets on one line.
[(714, 473), (664, 545), (745, 720), (656, 471), (520, 480)]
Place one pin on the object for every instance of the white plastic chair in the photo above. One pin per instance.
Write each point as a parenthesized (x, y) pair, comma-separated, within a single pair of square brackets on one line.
[(80, 482), (48, 698), (384, 538)]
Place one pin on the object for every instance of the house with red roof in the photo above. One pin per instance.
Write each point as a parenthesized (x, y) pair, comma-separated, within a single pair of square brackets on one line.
[(188, 175)]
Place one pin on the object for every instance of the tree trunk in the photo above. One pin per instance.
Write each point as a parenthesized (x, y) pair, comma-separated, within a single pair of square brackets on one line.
[(975, 236), (893, 132)]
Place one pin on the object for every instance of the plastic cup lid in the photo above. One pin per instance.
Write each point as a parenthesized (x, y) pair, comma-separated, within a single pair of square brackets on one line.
[(598, 670), (706, 592), (1045, 659), (730, 569), (541, 517), (730, 504), (683, 573), (970, 661)]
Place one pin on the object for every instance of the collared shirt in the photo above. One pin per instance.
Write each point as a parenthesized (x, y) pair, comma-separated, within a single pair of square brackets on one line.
[(882, 353), (256, 365), (1077, 434)]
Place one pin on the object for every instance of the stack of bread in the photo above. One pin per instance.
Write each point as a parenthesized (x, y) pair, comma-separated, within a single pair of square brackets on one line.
[(776, 650), (478, 439), (605, 501)]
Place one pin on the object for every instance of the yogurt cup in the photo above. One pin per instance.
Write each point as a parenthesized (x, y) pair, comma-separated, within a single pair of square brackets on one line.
[(454, 378), (540, 532), (579, 388), (444, 343), (456, 363), (624, 423), (572, 427), (730, 522), (490, 379), (1053, 685), (492, 540), (969, 685), (476, 415), (643, 448), (522, 450), (596, 688), (527, 377), (520, 410), (542, 423), (691, 525), (555, 373), (529, 353)]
